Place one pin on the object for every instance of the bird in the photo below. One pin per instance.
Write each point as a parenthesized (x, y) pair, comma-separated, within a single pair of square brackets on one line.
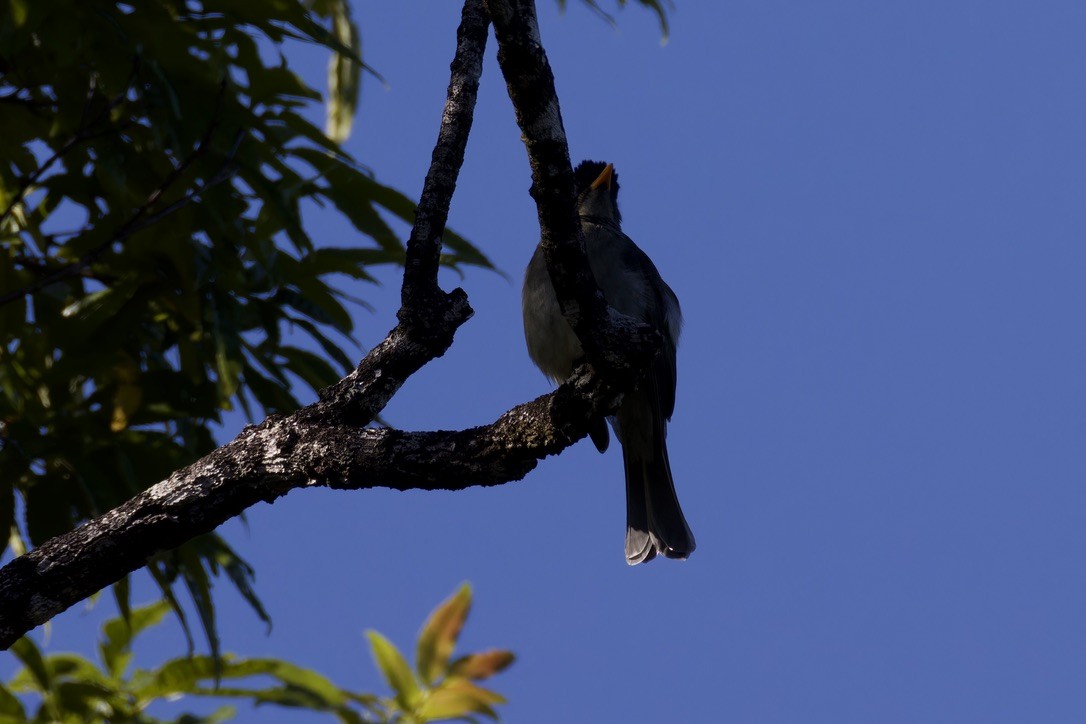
[(632, 285)]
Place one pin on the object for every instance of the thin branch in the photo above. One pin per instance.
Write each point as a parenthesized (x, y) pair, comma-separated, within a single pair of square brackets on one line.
[(424, 244)]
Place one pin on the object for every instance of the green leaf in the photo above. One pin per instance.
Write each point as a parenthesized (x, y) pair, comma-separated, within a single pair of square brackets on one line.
[(83, 698), (117, 635), (73, 666), (128, 394), (440, 633), (228, 361), (28, 653), (290, 674), (482, 665), (404, 208), (199, 587), (185, 676), (240, 573), (272, 396), (89, 313), (456, 698), (10, 708), (395, 670), (466, 252), (178, 676), (318, 301), (19, 11), (330, 348), (319, 34), (352, 193), (344, 75), (223, 713), (7, 497), (157, 570), (280, 205), (300, 127), (313, 370), (330, 260), (292, 696), (122, 595)]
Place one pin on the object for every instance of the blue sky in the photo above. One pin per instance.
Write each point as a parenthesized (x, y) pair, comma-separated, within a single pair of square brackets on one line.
[(873, 215)]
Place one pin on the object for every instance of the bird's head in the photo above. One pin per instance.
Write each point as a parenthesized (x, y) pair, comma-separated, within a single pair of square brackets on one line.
[(597, 190)]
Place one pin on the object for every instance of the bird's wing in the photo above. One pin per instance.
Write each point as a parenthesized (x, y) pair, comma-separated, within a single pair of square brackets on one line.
[(665, 315)]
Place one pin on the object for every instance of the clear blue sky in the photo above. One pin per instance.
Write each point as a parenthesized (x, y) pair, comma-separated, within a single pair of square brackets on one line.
[(873, 214)]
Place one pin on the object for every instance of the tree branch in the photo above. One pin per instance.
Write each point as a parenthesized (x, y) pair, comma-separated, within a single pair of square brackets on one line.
[(265, 462)]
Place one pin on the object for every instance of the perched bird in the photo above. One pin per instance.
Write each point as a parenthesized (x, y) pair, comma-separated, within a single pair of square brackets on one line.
[(631, 284)]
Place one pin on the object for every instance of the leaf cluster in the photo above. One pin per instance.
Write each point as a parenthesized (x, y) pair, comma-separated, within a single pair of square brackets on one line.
[(439, 687), (67, 687)]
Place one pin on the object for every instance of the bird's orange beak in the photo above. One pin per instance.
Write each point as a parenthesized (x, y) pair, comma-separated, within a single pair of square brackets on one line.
[(604, 179)]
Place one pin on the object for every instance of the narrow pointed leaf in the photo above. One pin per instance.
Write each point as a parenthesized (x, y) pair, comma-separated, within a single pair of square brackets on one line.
[(439, 634), (10, 708), (164, 585), (117, 635), (458, 698), (122, 595), (313, 370), (28, 653), (482, 665), (395, 670), (344, 75)]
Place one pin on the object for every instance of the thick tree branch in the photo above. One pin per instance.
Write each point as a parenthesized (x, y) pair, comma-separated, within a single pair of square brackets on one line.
[(268, 460)]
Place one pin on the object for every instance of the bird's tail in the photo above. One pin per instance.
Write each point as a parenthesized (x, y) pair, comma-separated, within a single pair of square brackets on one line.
[(654, 520)]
